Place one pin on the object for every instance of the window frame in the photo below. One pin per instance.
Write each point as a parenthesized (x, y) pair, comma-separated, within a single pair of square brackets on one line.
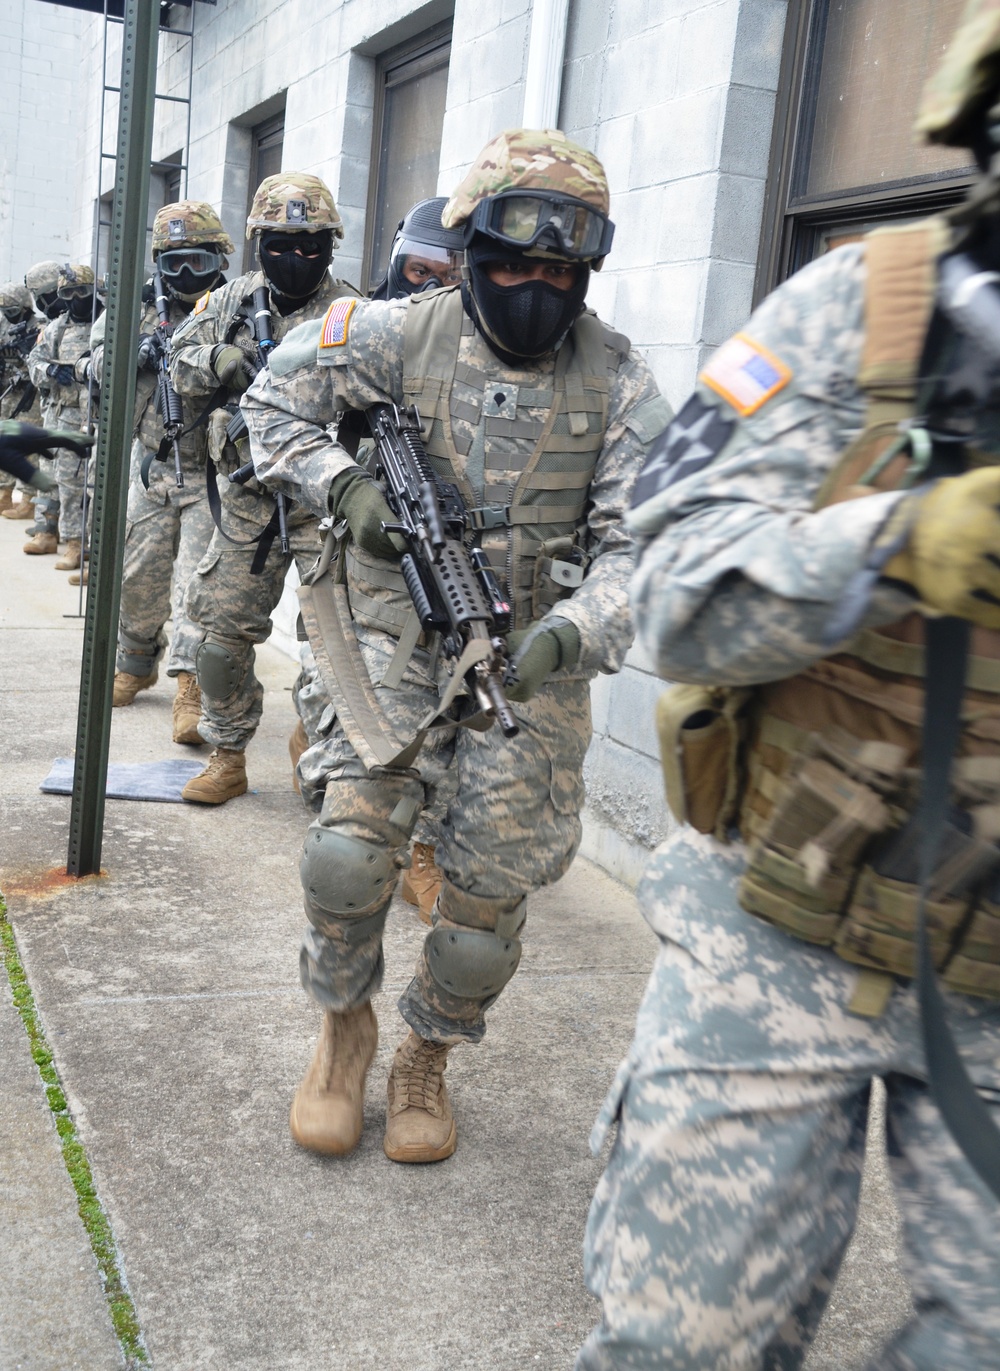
[(416, 56), (791, 225), (259, 135)]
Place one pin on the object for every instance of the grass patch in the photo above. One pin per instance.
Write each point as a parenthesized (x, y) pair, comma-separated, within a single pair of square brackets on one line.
[(95, 1221)]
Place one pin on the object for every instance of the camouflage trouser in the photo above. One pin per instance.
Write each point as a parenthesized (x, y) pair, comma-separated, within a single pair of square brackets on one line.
[(71, 473), (47, 501), (166, 534), (511, 824), (731, 1192), (233, 608)]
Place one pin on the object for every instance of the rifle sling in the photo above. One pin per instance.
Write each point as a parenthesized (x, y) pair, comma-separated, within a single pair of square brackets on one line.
[(264, 539), (26, 400)]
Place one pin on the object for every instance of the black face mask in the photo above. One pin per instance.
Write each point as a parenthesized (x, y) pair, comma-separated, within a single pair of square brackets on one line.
[(50, 304), (190, 285), (14, 315), (521, 322), (82, 310), (292, 273)]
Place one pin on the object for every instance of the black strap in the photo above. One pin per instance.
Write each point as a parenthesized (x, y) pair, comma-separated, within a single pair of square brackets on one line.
[(264, 539), (26, 400), (961, 1106)]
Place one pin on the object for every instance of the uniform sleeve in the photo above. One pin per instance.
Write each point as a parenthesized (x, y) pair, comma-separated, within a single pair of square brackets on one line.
[(290, 405), (193, 342), (739, 575), (40, 356), (97, 347), (599, 608)]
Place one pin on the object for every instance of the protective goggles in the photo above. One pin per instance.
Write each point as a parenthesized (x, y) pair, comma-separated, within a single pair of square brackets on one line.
[(526, 219), (419, 262), (305, 244), (202, 261), (75, 292)]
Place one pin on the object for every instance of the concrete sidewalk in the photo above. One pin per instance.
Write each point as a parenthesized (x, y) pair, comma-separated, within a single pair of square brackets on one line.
[(169, 992)]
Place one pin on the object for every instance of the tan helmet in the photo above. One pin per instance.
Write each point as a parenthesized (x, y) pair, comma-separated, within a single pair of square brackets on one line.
[(188, 224), (529, 159), (296, 201), (42, 278), (14, 296), (967, 82), (74, 274)]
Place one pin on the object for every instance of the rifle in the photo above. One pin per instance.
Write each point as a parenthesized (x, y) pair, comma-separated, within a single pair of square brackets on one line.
[(451, 583), (19, 341), (236, 429), (168, 402)]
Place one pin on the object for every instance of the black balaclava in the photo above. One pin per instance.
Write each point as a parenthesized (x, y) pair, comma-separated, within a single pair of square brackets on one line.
[(15, 315), (520, 323), (50, 303), (82, 309), (288, 274)]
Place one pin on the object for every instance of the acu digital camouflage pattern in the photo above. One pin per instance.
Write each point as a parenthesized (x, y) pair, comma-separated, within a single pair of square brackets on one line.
[(968, 79), (731, 1192), (529, 159), (511, 823), (229, 605), (13, 296), (63, 406), (187, 223), (42, 277), (297, 201)]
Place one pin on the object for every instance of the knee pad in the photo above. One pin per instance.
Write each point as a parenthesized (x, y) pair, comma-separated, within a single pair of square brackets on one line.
[(471, 963), (351, 856), (220, 670), (137, 656)]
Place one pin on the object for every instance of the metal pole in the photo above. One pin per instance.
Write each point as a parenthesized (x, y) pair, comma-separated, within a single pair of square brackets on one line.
[(126, 258)]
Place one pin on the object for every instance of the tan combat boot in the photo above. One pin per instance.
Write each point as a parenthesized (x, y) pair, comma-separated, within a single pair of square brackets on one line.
[(127, 686), (6, 498), (297, 744), (421, 880), (328, 1110), (70, 559), (187, 709), (24, 509), (223, 779), (74, 577), (41, 544), (420, 1126)]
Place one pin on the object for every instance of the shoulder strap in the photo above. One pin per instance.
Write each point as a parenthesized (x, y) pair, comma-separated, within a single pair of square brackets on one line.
[(901, 266)]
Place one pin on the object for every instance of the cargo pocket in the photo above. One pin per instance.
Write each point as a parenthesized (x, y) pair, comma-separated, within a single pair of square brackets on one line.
[(701, 732)]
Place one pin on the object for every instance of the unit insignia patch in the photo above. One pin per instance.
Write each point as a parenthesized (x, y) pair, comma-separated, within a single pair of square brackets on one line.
[(689, 442)]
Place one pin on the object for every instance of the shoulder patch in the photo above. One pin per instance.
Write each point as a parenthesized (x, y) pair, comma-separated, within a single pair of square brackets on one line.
[(201, 304), (689, 442), (297, 349), (335, 324), (745, 374)]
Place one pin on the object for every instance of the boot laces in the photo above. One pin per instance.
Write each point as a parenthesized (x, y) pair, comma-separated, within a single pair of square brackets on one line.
[(216, 763), (423, 857), (418, 1077), (188, 693)]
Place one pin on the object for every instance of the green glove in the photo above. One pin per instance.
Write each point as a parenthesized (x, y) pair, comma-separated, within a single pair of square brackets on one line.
[(354, 496), (232, 367), (41, 481), (538, 651)]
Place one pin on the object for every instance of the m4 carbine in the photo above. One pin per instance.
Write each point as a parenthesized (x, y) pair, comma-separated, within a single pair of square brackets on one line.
[(168, 403), (451, 583), (20, 340), (236, 429)]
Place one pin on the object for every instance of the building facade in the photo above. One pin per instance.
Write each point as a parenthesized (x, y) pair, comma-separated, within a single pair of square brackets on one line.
[(740, 137)]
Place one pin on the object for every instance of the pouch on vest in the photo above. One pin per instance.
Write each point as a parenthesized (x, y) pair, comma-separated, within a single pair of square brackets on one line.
[(833, 801), (558, 569), (701, 731)]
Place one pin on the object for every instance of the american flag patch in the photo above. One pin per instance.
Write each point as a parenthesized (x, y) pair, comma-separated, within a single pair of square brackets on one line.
[(745, 374), (202, 303), (334, 333)]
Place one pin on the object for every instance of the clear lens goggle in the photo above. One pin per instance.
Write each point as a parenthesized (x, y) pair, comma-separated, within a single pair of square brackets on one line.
[(75, 292), (526, 219), (418, 262), (201, 261)]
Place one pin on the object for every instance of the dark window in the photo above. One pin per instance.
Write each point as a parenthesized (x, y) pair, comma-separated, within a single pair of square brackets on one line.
[(266, 142), (844, 157), (171, 185), (410, 86)]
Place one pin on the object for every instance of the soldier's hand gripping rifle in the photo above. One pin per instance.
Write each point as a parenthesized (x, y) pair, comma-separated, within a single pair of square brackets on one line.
[(452, 586), (169, 405), (236, 429), (20, 340)]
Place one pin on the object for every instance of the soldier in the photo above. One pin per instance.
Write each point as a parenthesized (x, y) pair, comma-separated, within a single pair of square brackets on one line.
[(19, 398), (56, 365), (168, 526), (42, 283), (542, 415), (731, 1192), (236, 587), (424, 254)]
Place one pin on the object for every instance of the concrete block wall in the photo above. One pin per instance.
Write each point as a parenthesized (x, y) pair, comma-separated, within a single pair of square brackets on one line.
[(677, 98)]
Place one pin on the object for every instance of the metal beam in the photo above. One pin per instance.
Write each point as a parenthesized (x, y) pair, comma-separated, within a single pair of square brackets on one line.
[(126, 258)]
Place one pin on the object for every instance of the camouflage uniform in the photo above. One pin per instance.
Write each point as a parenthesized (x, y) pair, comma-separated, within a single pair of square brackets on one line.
[(231, 606), (719, 1225), (63, 406), (14, 379), (514, 822)]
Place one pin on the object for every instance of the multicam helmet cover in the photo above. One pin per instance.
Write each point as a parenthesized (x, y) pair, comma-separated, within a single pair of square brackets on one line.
[(74, 274), (967, 82), (187, 224), (14, 296), (42, 278), (297, 201), (529, 159)]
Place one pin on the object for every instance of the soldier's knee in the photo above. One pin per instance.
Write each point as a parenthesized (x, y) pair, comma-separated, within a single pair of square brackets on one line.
[(221, 670), (352, 853), (474, 948)]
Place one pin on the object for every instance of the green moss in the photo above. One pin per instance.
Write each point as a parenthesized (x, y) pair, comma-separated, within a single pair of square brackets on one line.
[(95, 1221)]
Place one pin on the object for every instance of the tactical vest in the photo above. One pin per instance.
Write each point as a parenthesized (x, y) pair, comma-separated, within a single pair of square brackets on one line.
[(832, 761), (67, 404), (538, 445)]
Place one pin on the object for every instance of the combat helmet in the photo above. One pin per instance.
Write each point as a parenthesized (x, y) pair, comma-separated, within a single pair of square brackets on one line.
[(74, 276), (42, 278), (536, 191), (424, 254), (188, 224), (294, 201), (962, 91), (15, 301)]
